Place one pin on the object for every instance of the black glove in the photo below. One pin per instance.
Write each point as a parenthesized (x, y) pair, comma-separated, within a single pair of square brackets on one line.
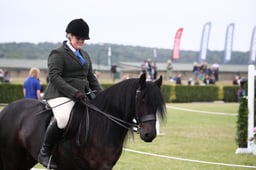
[(80, 96)]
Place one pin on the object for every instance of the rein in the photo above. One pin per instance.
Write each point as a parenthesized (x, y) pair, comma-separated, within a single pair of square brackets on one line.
[(124, 124), (120, 122)]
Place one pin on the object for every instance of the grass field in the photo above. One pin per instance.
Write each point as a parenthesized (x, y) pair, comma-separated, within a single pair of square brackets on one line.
[(198, 136), (194, 131)]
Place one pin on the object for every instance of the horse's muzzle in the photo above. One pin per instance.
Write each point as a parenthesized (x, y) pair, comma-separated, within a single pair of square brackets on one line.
[(147, 127), (148, 136), (147, 131)]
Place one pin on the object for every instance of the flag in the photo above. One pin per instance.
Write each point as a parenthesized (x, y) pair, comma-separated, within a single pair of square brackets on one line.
[(204, 41), (229, 42), (253, 46), (109, 56), (154, 52), (176, 46)]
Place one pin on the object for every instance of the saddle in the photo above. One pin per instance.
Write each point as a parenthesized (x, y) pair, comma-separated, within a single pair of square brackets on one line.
[(79, 114)]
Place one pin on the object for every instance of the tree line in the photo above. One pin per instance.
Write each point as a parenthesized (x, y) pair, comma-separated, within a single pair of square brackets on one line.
[(119, 53)]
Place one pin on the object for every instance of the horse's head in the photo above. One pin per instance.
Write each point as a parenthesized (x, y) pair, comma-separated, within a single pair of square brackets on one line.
[(149, 102)]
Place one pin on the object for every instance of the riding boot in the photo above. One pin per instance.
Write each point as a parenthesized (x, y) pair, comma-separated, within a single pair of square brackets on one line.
[(52, 135)]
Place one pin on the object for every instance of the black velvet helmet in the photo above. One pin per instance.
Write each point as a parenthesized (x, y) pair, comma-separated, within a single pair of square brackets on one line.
[(79, 28)]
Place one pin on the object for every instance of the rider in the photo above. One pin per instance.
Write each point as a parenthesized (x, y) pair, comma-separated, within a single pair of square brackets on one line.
[(70, 76)]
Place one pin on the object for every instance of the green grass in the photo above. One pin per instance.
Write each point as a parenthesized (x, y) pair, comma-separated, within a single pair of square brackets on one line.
[(190, 135)]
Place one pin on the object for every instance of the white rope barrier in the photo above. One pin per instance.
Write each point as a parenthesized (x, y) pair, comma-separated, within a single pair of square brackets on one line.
[(189, 160), (200, 111)]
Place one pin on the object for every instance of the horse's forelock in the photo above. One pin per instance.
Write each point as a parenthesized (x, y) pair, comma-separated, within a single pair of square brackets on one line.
[(126, 95), (155, 98)]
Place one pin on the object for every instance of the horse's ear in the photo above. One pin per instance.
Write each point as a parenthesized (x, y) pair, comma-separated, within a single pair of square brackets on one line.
[(142, 80), (159, 81)]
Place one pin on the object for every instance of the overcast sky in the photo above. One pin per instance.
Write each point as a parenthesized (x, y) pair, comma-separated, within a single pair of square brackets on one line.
[(148, 23)]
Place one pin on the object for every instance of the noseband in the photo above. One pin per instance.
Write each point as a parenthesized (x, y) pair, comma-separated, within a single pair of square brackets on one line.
[(145, 118)]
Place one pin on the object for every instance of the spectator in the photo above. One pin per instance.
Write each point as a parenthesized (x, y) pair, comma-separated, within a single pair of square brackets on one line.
[(241, 90), (32, 87), (236, 80), (143, 67), (206, 79), (215, 68), (154, 71), (190, 82), (197, 82), (202, 70), (178, 79), (113, 70), (6, 76), (209, 79), (149, 68), (196, 70), (209, 71), (1, 75), (212, 79), (169, 69)]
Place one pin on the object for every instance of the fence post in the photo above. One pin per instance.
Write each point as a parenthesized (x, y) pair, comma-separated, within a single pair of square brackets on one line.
[(250, 95), (250, 106)]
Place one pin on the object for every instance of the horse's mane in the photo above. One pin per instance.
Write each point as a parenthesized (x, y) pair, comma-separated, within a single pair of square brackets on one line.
[(118, 98), (119, 101)]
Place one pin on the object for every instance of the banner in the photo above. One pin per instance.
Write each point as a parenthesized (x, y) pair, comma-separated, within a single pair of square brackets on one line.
[(204, 41), (253, 46), (154, 52), (109, 56), (176, 46), (229, 42)]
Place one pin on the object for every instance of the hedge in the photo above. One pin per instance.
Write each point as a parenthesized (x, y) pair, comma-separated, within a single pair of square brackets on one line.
[(242, 124), (242, 121), (10, 92), (196, 93), (230, 93), (171, 93)]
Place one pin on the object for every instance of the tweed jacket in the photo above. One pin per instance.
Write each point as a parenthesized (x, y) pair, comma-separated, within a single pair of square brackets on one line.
[(67, 75)]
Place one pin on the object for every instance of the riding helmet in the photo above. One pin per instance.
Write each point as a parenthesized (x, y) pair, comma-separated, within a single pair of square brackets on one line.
[(79, 28)]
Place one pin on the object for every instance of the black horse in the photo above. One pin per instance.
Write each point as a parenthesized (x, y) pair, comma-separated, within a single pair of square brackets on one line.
[(95, 137)]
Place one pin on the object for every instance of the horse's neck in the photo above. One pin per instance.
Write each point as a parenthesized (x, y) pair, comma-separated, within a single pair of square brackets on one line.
[(119, 104)]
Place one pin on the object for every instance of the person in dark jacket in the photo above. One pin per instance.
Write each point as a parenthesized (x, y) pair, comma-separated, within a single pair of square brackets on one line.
[(70, 76), (241, 90)]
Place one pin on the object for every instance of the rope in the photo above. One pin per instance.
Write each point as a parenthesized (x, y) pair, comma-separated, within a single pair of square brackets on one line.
[(189, 160)]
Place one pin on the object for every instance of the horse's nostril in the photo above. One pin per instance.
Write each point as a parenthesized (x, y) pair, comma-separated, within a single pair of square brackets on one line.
[(148, 137)]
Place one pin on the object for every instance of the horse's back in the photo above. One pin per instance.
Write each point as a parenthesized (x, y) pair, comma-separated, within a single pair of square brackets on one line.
[(18, 113), (22, 124)]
